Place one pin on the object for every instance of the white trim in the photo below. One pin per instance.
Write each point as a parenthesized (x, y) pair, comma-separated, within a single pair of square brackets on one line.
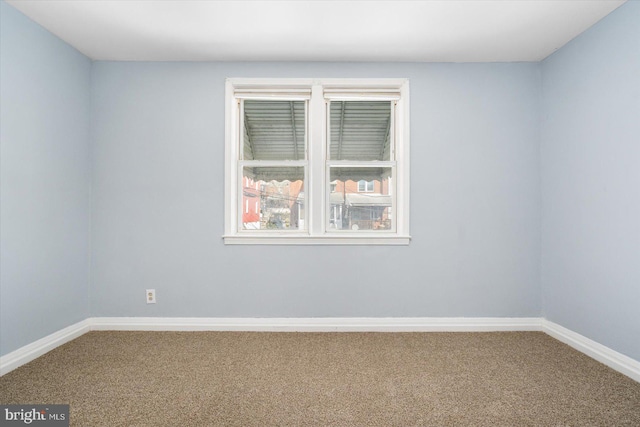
[(603, 354), (402, 156), (318, 324), (231, 114), (599, 352), (29, 352), (328, 239)]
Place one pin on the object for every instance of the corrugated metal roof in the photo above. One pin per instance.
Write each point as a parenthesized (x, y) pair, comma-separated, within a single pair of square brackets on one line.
[(360, 130), (275, 130)]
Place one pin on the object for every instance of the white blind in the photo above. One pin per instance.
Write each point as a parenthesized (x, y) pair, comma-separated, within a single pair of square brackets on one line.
[(285, 93), (347, 94)]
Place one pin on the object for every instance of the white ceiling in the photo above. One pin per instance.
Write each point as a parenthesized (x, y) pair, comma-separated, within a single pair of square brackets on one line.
[(415, 31)]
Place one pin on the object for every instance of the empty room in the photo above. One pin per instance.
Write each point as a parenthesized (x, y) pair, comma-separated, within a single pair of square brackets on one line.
[(320, 213)]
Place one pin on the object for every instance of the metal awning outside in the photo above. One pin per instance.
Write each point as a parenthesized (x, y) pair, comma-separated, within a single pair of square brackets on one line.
[(274, 130), (359, 131), (359, 199)]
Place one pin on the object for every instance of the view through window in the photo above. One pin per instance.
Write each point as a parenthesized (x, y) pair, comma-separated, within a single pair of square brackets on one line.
[(347, 178)]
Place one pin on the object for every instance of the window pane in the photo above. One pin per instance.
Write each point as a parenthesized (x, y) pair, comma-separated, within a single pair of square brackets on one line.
[(273, 198), (360, 130), (274, 130), (365, 186), (361, 199)]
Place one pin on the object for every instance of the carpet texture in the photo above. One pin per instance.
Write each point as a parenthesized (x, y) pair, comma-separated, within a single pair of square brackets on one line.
[(325, 379)]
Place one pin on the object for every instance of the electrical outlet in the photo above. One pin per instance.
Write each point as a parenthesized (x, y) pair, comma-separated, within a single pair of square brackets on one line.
[(151, 296)]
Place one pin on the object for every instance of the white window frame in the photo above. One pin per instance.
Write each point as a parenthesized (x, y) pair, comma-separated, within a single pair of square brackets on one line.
[(367, 188), (316, 185)]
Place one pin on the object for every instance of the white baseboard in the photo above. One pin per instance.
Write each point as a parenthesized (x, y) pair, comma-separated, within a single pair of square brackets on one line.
[(597, 351), (31, 351), (26, 354), (317, 324)]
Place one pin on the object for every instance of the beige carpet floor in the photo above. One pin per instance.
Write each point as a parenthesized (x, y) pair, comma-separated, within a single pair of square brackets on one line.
[(325, 379)]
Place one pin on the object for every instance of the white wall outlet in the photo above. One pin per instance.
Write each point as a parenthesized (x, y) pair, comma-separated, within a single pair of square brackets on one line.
[(151, 296)]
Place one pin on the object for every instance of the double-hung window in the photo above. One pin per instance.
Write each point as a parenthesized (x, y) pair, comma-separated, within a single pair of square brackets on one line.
[(317, 161)]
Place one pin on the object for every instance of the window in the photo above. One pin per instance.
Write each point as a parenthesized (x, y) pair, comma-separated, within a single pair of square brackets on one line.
[(365, 186), (322, 161)]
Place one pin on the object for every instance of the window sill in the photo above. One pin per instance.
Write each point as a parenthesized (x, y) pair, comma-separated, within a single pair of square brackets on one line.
[(303, 240)]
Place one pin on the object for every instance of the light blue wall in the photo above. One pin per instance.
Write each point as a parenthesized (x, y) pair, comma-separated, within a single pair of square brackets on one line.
[(495, 184), (590, 157), (158, 172), (45, 182)]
